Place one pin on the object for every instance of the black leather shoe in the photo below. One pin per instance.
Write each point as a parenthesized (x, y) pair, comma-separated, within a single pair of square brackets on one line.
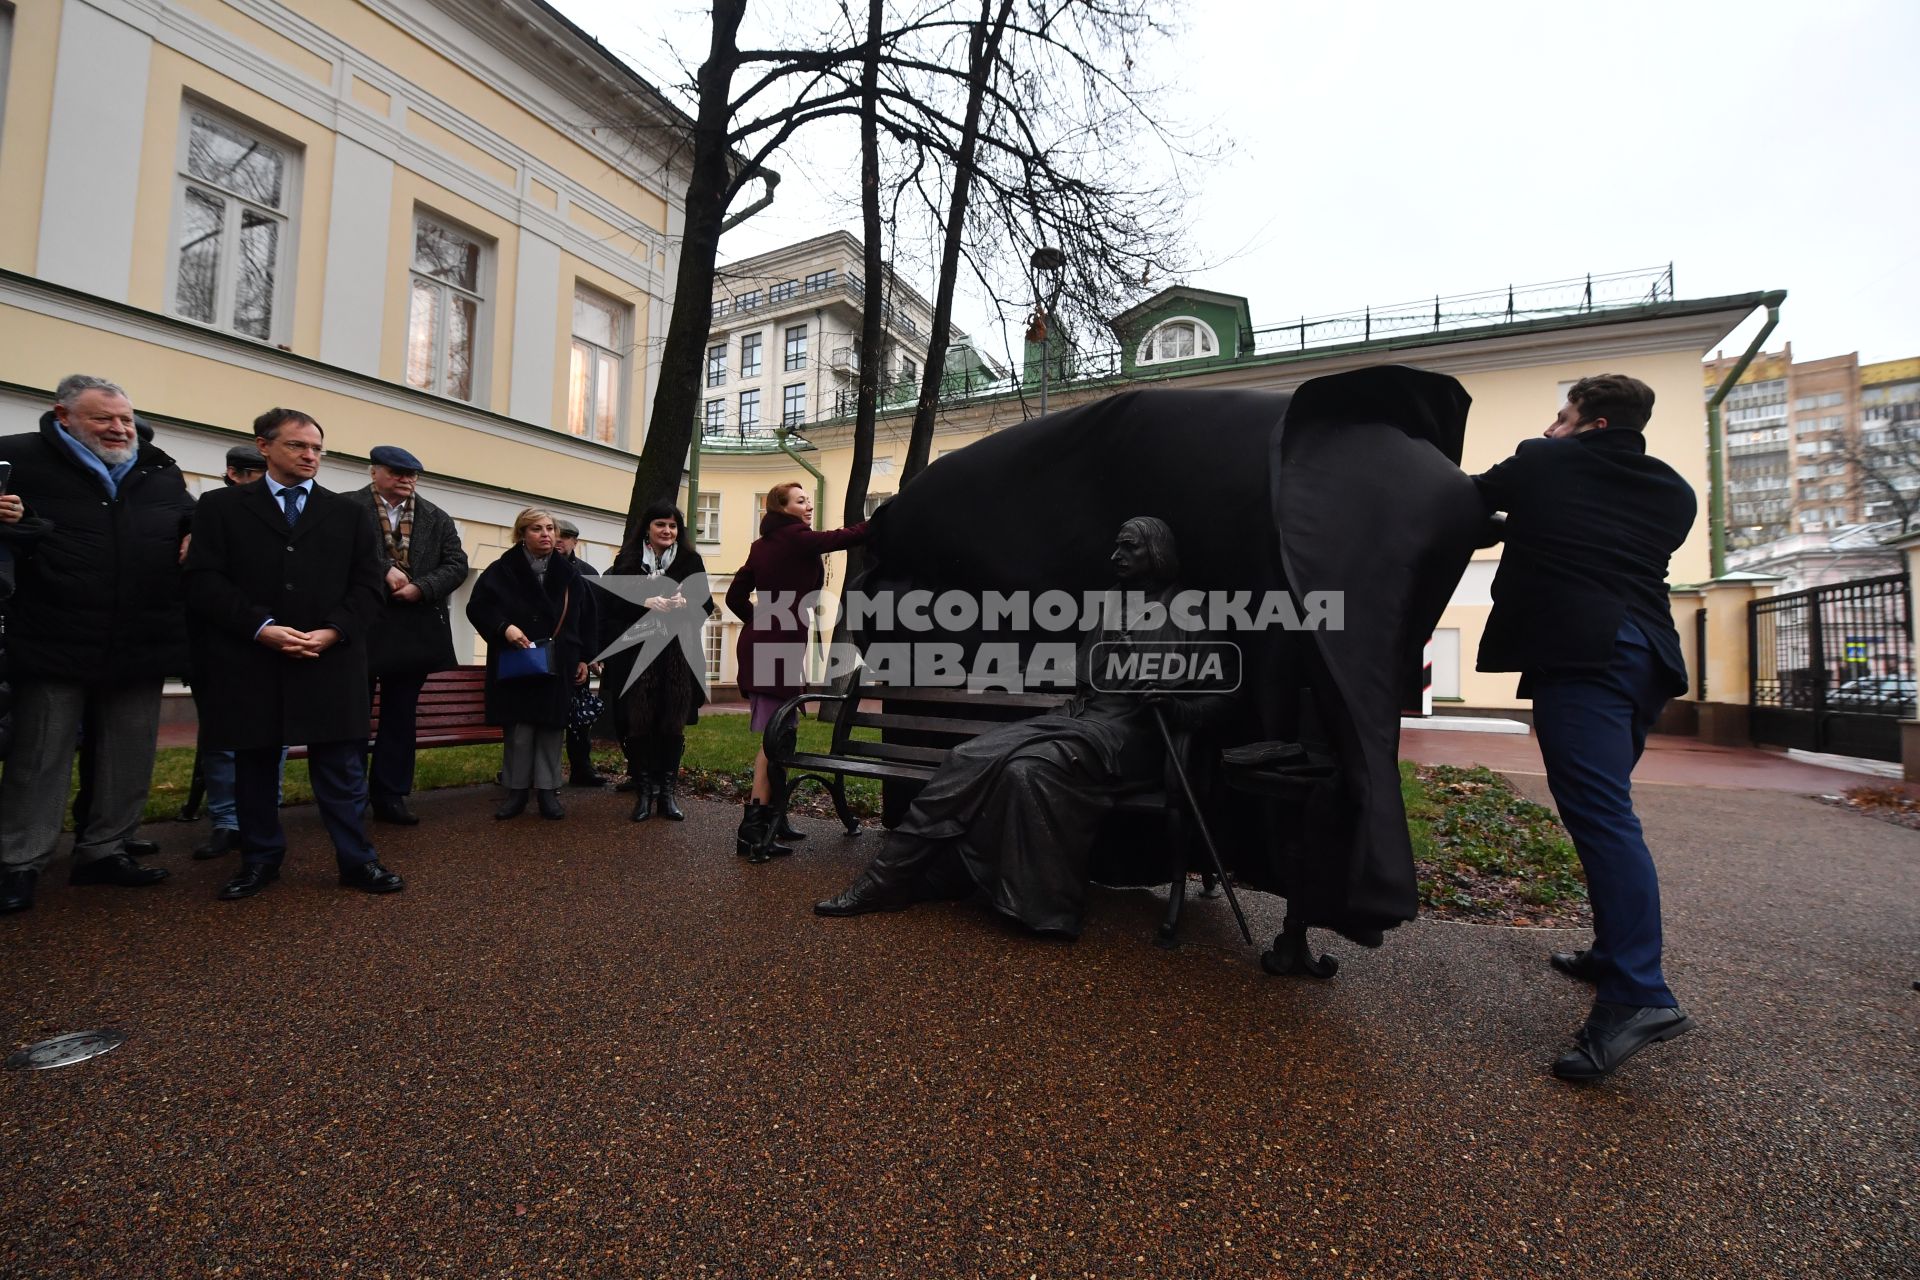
[(589, 780), (1576, 964), (371, 877), (16, 891), (550, 804), (253, 877), (116, 868), (642, 800), (139, 848), (222, 842), (785, 830), (516, 804), (862, 896), (1614, 1033), (394, 809)]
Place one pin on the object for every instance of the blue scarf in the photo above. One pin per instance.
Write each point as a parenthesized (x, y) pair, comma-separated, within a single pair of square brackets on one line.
[(109, 476)]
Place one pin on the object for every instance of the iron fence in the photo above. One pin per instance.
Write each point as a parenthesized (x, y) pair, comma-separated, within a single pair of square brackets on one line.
[(1832, 667)]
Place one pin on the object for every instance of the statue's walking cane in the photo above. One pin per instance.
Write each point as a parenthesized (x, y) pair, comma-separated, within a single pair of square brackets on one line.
[(1206, 836)]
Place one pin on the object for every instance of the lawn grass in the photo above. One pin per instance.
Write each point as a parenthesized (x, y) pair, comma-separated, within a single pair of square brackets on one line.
[(720, 752), (1484, 851)]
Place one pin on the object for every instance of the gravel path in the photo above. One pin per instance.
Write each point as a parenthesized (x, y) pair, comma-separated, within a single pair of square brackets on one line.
[(590, 1049)]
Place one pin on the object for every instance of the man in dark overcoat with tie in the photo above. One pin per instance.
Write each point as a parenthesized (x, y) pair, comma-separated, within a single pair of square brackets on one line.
[(283, 586)]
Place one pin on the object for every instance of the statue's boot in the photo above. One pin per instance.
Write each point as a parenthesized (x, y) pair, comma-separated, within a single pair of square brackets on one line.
[(868, 893), (895, 880)]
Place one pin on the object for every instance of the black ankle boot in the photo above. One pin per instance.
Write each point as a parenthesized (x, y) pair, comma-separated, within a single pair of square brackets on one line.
[(785, 830), (516, 804), (642, 798), (550, 804), (754, 841), (666, 779), (663, 801)]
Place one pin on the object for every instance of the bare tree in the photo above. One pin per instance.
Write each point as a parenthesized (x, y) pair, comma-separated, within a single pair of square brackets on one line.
[(1885, 459), (873, 270), (734, 136), (1041, 133)]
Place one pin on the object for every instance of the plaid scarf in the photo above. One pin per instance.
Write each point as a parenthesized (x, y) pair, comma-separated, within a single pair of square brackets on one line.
[(399, 533)]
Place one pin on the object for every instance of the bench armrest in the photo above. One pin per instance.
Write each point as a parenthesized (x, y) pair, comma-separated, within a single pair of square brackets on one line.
[(769, 737)]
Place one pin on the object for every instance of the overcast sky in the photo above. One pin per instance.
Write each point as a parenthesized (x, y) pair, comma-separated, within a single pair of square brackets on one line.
[(1381, 152)]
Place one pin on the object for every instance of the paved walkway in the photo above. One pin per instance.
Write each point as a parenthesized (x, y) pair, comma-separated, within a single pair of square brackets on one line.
[(591, 1049), (1669, 761)]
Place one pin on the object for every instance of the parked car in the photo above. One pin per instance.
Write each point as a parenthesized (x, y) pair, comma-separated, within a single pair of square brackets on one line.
[(1876, 695)]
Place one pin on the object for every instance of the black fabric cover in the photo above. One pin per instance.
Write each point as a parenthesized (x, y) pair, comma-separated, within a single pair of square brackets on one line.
[(1351, 484)]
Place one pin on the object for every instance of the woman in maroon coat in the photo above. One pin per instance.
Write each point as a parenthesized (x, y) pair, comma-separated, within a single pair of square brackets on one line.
[(784, 567)]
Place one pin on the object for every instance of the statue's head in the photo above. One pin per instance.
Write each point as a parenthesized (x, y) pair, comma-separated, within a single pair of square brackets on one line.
[(1144, 554)]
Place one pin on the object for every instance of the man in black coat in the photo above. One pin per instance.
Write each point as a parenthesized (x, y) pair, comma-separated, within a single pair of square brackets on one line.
[(283, 582), (1580, 609), (95, 516), (424, 564)]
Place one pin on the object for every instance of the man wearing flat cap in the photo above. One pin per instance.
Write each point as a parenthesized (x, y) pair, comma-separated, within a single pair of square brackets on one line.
[(245, 464), (424, 564), (581, 772)]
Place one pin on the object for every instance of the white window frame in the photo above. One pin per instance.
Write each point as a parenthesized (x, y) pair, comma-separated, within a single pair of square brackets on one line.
[(280, 325), (622, 331), (482, 312), (1203, 338), (713, 644), (706, 518)]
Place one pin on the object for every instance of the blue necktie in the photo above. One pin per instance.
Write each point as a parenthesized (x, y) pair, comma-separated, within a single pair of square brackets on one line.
[(290, 499)]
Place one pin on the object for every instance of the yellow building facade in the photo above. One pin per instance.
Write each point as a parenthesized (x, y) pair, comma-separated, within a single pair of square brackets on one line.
[(444, 225)]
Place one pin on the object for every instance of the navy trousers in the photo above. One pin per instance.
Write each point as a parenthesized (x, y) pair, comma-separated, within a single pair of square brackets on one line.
[(390, 774), (338, 773), (1592, 729)]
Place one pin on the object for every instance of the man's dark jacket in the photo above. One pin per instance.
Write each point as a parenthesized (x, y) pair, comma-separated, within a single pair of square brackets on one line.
[(98, 597), (416, 636), (247, 566), (1592, 521)]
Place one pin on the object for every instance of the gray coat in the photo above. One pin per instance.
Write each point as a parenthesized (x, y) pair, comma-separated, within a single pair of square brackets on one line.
[(418, 636)]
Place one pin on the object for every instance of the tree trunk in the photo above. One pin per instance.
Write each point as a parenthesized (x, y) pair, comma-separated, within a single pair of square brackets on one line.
[(981, 69), (676, 397), (873, 266)]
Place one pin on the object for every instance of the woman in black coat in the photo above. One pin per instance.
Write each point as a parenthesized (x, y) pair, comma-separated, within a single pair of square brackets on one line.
[(527, 596), (666, 697)]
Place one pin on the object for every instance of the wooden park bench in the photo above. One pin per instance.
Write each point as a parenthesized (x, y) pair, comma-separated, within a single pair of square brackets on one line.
[(452, 712), (919, 725)]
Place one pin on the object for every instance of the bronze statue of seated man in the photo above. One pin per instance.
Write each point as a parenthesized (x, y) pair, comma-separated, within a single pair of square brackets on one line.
[(1014, 812)]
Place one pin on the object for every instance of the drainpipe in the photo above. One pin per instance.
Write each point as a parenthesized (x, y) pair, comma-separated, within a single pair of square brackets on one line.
[(1716, 461), (780, 435), (693, 472)]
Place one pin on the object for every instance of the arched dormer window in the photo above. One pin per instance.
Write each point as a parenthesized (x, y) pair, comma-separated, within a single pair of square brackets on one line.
[(1182, 338)]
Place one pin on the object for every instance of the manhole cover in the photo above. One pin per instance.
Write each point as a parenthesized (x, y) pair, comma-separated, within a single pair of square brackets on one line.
[(64, 1051)]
